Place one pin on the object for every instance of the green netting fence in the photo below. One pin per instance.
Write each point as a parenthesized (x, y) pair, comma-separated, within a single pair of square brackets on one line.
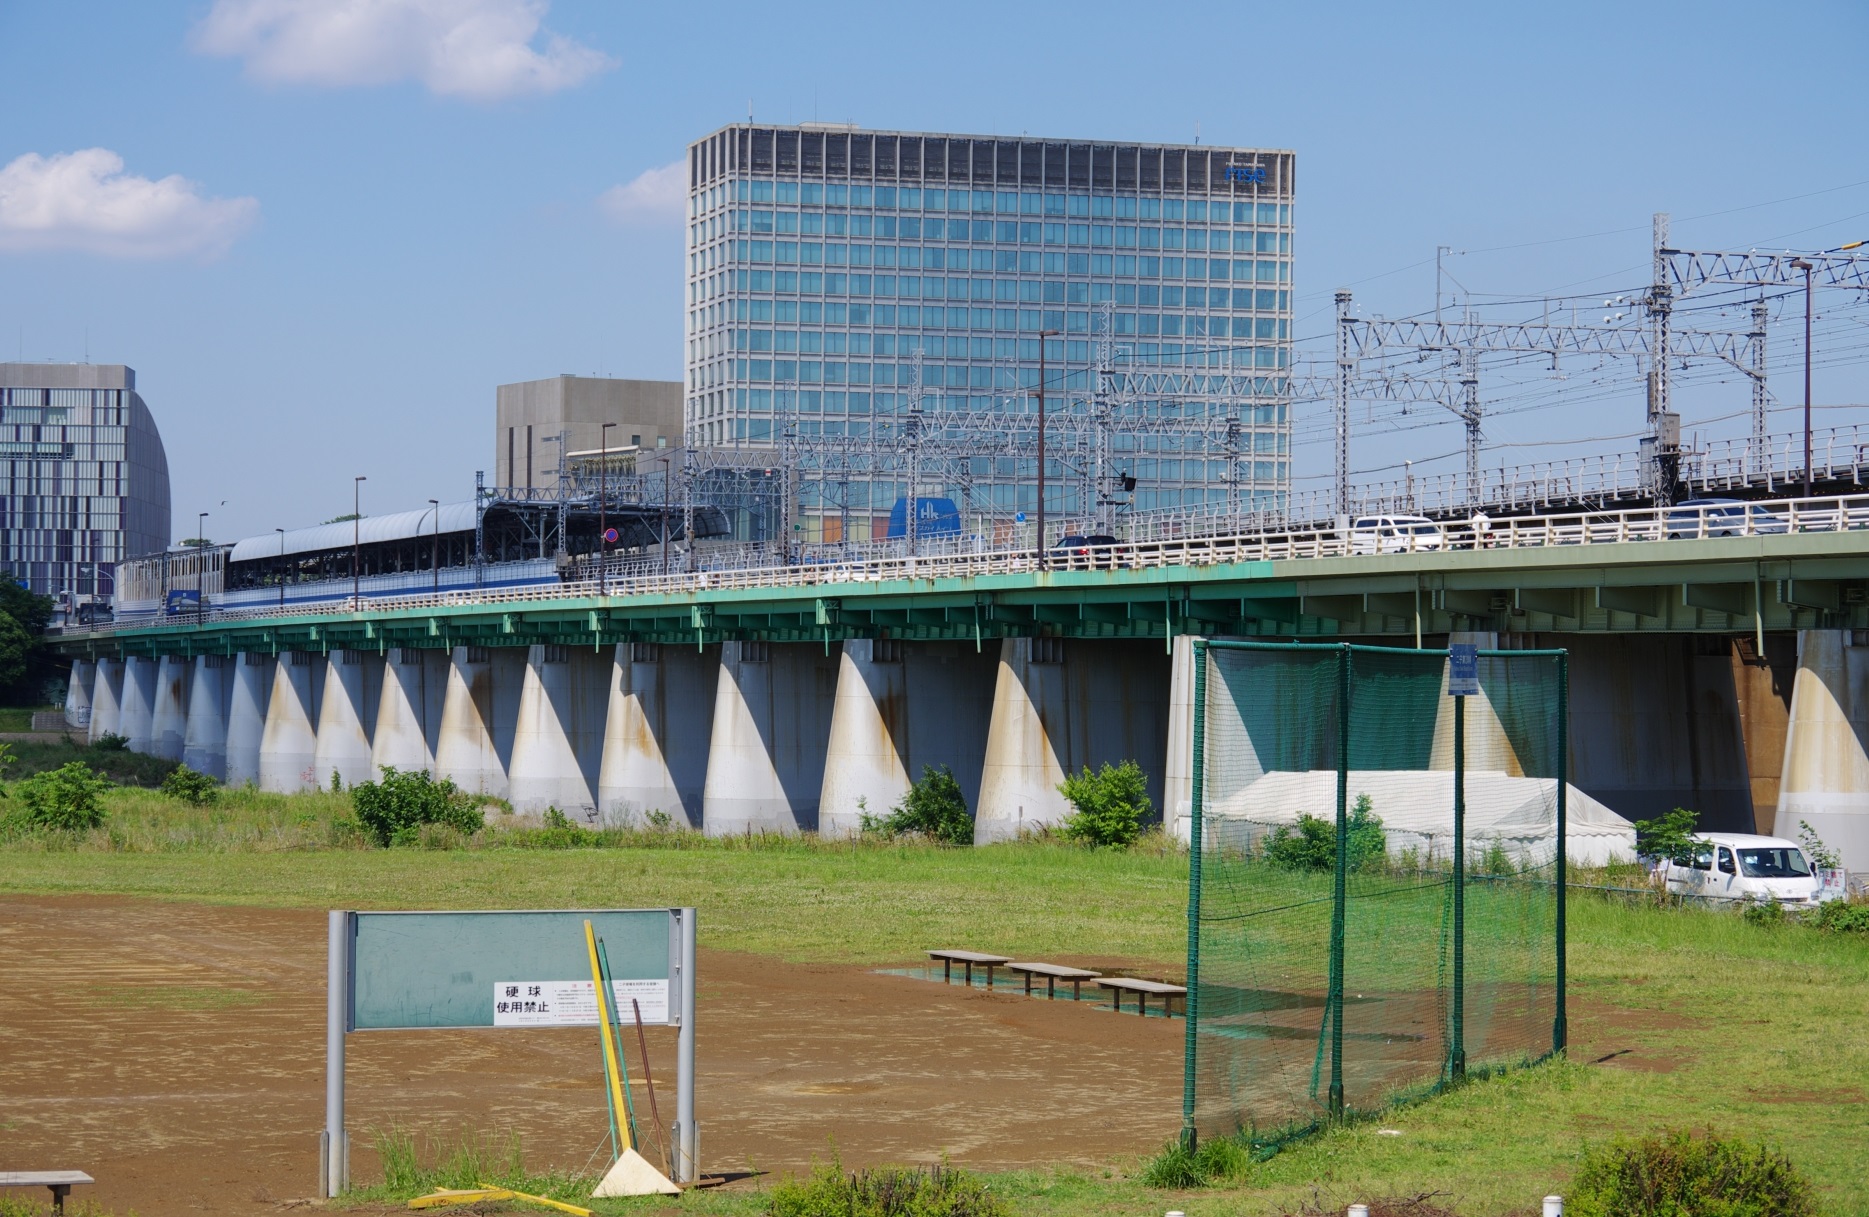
[(1373, 910)]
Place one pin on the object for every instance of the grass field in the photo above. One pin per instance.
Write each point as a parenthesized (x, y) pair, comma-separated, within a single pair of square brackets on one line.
[(1705, 1020)]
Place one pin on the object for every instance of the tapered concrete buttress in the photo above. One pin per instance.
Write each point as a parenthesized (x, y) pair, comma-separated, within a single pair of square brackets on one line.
[(478, 715), (864, 766), (78, 694), (204, 744), (1178, 766), (1059, 706), (901, 707), (139, 702), (765, 764), (249, 695), (408, 716), (1487, 746), (353, 688), (1826, 777), (558, 736), (1762, 682), (168, 716), (289, 745), (107, 699), (656, 733)]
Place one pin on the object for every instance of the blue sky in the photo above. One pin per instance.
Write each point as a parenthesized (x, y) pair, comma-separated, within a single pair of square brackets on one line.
[(391, 206)]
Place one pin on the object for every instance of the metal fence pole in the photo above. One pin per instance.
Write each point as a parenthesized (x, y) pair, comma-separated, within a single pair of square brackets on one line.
[(1192, 1003), (334, 1145), (1333, 1001), (688, 1137), (1457, 1045), (1560, 1032)]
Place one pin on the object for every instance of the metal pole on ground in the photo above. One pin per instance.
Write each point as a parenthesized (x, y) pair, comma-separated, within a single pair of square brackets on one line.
[(1457, 1040), (687, 1136), (1198, 791), (1560, 1030), (1333, 1001), (334, 1146)]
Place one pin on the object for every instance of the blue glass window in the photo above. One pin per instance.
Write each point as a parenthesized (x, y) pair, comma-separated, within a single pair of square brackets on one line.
[(1125, 264), (1102, 265), (1054, 234), (1079, 234), (1006, 230), (982, 231), (1054, 204), (1007, 202), (933, 228)]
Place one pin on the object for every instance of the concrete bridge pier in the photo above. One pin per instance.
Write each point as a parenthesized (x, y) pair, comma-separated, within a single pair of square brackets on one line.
[(656, 733), (1178, 765), (1826, 775), (289, 745), (864, 765), (249, 693), (204, 741), (139, 702), (558, 737), (1059, 706), (478, 713), (765, 765), (107, 700), (353, 683), (78, 693), (408, 715), (168, 728)]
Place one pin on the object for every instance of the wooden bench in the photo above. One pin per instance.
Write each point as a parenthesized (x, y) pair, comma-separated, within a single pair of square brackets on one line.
[(61, 1183), (1053, 973), (949, 958), (1117, 985)]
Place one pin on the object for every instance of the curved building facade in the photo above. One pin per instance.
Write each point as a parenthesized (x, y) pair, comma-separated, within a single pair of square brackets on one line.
[(86, 480)]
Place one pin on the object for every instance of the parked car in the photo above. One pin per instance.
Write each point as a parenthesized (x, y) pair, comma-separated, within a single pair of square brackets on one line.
[(1740, 866), (1721, 518), (1083, 551), (1395, 535)]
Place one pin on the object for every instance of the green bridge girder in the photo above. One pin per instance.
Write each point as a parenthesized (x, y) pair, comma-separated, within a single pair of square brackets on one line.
[(1723, 585)]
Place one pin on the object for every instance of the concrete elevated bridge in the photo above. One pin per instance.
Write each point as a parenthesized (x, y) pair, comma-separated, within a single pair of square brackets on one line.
[(1719, 662)]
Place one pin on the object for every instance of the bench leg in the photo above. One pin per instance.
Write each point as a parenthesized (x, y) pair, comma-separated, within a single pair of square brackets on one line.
[(1028, 984), (59, 1192), (970, 973), (1077, 990), (1051, 988), (947, 971), (989, 976)]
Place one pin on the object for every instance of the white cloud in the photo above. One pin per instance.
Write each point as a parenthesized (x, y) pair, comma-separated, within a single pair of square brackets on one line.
[(655, 196), (84, 200), (481, 49)]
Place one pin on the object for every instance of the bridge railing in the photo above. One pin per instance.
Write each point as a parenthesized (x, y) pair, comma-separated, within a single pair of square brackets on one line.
[(1779, 517)]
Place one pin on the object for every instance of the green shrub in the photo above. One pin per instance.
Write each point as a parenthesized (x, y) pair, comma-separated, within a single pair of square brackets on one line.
[(1682, 1174), (1822, 856), (933, 807), (1669, 836), (1842, 917), (886, 1191), (69, 798), (1767, 912), (394, 809), (110, 741), (1110, 805), (1313, 844), (1219, 1160), (196, 789)]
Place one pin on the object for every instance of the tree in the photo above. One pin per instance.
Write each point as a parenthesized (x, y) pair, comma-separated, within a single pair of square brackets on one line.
[(24, 666), (1669, 836), (1111, 804), (68, 798), (932, 807)]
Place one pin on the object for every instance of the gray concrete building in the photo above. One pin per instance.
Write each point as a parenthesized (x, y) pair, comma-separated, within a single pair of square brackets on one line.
[(535, 418), (86, 478)]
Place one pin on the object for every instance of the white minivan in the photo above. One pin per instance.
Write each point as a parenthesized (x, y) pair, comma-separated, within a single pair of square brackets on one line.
[(1395, 535), (1740, 866)]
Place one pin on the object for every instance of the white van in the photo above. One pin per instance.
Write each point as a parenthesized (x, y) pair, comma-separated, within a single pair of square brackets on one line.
[(1395, 535), (1740, 866)]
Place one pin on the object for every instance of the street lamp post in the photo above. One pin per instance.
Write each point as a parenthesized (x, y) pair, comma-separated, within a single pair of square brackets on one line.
[(282, 566), (1042, 336), (603, 493), (1807, 267), (435, 558), (356, 542)]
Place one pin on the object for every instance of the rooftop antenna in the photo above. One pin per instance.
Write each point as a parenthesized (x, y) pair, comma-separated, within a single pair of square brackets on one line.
[(749, 109), (1197, 132)]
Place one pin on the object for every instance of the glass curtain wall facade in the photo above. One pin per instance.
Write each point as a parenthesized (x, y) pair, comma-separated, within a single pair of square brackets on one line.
[(837, 275), (86, 478)]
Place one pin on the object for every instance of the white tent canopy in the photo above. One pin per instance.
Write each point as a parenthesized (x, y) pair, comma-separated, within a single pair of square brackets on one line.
[(1416, 807)]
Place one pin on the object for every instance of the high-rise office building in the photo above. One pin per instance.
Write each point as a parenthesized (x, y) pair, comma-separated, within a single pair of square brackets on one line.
[(87, 481), (836, 276)]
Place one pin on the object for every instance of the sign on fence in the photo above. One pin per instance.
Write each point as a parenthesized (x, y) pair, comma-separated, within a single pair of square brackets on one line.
[(447, 970)]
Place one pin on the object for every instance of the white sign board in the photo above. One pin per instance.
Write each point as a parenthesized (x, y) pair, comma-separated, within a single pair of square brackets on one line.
[(573, 1003)]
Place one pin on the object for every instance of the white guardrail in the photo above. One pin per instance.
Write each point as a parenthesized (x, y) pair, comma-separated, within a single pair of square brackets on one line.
[(1366, 535)]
